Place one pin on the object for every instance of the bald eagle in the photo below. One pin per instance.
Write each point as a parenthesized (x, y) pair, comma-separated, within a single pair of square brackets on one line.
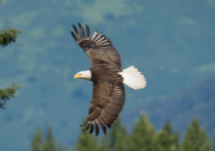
[(108, 79)]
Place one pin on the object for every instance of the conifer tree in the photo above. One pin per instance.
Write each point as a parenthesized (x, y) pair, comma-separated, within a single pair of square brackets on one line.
[(167, 140), (196, 139), (86, 142), (116, 139), (143, 137), (49, 144), (45, 142), (6, 37), (36, 144), (60, 147)]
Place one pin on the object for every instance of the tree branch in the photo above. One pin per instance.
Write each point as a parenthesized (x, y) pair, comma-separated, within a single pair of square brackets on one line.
[(8, 36), (5, 94)]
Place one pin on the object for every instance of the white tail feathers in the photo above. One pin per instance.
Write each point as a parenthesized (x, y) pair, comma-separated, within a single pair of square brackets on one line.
[(133, 78)]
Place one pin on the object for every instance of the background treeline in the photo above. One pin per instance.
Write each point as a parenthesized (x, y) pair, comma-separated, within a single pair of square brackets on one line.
[(143, 137)]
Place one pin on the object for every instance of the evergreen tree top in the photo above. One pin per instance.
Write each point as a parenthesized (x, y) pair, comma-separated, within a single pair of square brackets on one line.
[(5, 94), (8, 36), (196, 139)]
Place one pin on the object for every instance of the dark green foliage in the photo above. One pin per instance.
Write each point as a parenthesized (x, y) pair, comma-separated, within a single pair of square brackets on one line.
[(116, 138), (196, 139), (45, 142), (8, 36), (36, 144), (49, 143), (142, 138), (167, 140), (5, 94), (86, 142)]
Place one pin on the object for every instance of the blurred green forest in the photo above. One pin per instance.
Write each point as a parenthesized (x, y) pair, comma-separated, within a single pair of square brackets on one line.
[(181, 107), (143, 137)]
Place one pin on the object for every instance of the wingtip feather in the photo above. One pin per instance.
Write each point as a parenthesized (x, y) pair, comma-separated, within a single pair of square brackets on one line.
[(104, 129), (82, 31), (91, 128)]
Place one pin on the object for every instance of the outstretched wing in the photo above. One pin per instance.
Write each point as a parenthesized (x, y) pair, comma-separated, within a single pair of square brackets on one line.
[(108, 99), (98, 47)]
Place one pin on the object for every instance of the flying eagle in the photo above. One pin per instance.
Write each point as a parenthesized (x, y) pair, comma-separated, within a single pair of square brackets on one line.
[(108, 79)]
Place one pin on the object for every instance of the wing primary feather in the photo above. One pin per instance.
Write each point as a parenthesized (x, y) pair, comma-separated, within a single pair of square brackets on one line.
[(94, 35), (97, 129), (104, 42), (91, 128), (97, 38), (102, 38), (109, 126), (103, 121), (87, 31), (76, 31), (82, 31), (104, 129), (107, 118), (85, 123), (88, 125), (76, 39)]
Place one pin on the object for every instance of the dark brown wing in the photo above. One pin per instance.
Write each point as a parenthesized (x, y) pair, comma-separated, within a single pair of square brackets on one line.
[(98, 47), (108, 97)]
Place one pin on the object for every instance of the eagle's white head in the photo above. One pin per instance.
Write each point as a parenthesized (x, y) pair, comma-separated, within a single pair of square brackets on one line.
[(84, 75)]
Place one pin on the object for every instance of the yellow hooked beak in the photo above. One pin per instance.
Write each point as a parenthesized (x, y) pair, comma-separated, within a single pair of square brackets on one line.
[(77, 76)]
